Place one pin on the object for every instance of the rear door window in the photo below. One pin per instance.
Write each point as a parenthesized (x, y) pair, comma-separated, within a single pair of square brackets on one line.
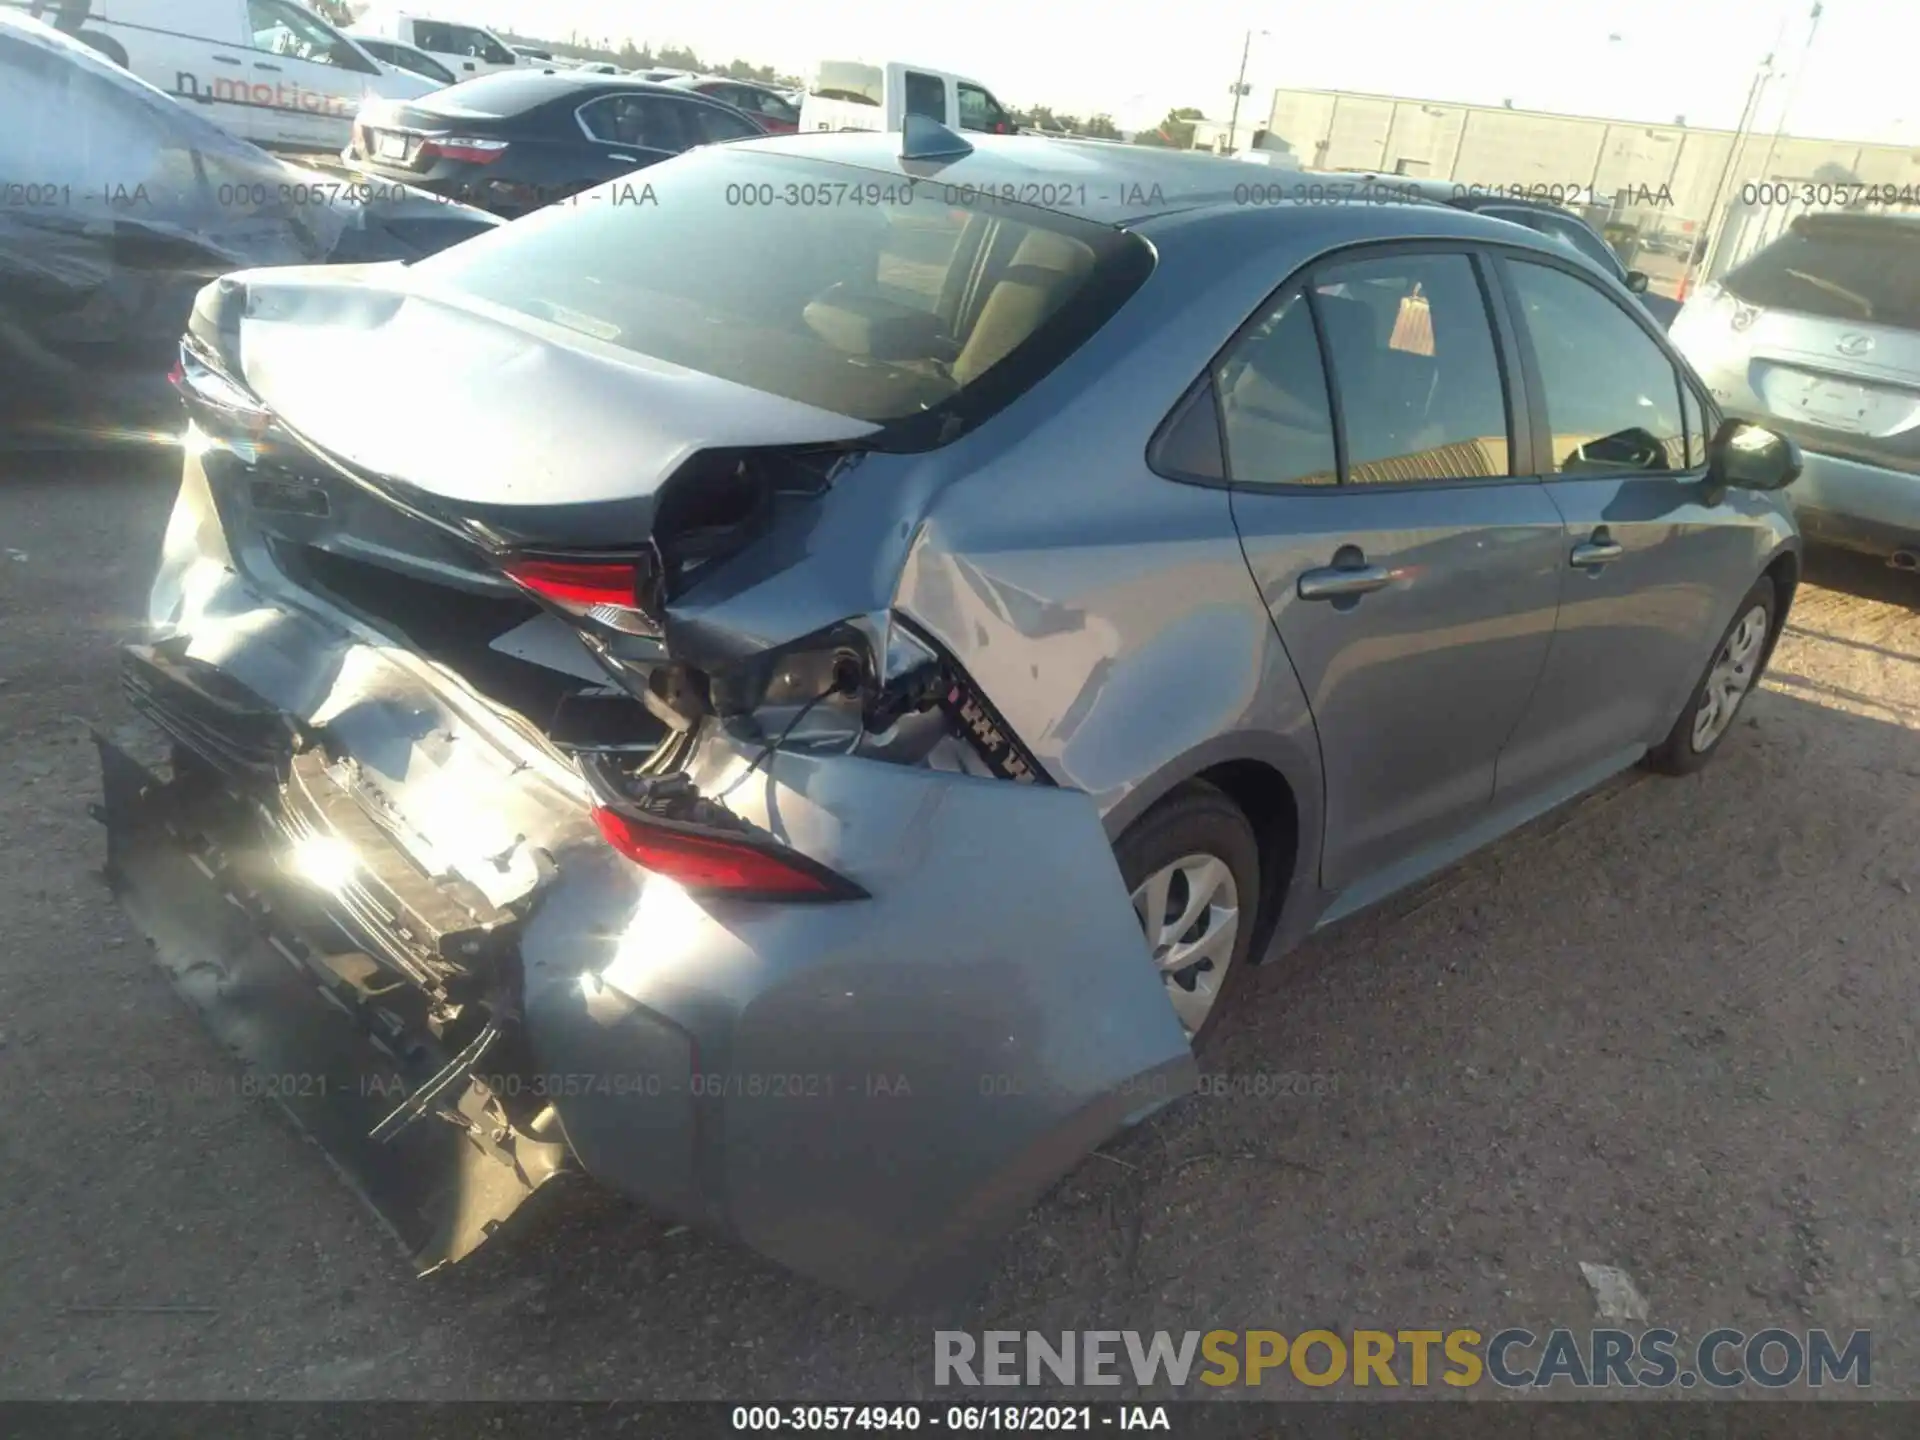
[(1414, 368), (709, 124), (926, 95), (1859, 270), (640, 122)]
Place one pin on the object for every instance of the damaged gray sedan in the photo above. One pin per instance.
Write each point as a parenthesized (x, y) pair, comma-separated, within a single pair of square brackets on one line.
[(796, 692)]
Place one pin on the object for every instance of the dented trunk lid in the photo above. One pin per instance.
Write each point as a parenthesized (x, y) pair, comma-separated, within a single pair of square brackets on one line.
[(517, 430)]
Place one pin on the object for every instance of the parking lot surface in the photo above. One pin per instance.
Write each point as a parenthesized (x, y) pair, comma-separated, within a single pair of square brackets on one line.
[(1670, 1028)]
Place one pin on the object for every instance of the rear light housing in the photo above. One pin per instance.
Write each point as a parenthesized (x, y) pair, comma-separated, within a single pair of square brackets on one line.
[(713, 864), (469, 150), (605, 589)]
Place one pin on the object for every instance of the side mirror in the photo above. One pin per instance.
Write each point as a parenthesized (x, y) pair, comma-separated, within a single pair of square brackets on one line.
[(1746, 457), (1637, 281)]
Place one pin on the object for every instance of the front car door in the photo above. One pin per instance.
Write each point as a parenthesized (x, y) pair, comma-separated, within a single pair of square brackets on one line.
[(1379, 471), (307, 82), (1652, 560)]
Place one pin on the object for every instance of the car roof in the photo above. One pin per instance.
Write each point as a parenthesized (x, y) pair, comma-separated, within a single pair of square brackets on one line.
[(526, 88)]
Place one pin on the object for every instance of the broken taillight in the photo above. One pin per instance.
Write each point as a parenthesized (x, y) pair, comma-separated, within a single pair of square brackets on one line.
[(605, 590), (719, 865)]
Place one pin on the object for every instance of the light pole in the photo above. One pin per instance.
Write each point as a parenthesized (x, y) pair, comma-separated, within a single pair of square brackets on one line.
[(1240, 89), (1793, 88), (1741, 132)]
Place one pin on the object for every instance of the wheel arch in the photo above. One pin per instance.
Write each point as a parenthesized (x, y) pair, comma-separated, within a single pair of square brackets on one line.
[(1277, 789)]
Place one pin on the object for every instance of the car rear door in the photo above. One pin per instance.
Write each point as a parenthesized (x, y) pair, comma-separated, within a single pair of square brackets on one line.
[(1384, 499), (1653, 560)]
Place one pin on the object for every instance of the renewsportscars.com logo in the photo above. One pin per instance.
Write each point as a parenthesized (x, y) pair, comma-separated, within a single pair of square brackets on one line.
[(1512, 1358)]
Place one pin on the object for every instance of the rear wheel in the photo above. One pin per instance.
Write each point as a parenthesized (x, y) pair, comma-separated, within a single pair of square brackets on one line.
[(1731, 675), (1192, 867)]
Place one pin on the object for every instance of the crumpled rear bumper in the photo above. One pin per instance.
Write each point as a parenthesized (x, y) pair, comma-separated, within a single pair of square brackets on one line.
[(867, 1092)]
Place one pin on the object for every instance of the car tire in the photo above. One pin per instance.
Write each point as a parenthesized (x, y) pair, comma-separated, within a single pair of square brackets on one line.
[(1733, 670), (1194, 837)]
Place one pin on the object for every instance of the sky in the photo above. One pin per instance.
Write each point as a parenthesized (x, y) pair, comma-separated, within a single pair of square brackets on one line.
[(1648, 60)]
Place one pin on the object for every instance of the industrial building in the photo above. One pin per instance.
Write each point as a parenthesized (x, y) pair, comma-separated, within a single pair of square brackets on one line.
[(1662, 178)]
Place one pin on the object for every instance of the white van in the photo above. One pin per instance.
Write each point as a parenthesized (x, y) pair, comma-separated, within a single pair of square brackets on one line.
[(270, 71), (853, 95), (465, 49)]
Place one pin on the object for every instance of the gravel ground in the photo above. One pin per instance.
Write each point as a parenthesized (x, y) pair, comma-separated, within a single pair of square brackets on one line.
[(1669, 1028)]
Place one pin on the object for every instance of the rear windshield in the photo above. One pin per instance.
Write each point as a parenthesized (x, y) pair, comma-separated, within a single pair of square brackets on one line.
[(1838, 271), (846, 80), (852, 290)]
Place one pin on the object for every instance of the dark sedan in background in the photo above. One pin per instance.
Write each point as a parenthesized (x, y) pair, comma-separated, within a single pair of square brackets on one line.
[(117, 204), (514, 141)]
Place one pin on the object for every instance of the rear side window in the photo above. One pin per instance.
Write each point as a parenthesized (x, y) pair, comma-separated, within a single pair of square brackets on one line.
[(1861, 270), (1415, 369), (886, 306), (1613, 398), (1275, 418)]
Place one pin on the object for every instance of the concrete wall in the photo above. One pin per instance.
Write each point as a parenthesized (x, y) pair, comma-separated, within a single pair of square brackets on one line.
[(1490, 145)]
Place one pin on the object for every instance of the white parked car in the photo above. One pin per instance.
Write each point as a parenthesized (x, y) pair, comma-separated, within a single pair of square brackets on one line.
[(405, 57), (463, 47), (269, 71), (854, 95)]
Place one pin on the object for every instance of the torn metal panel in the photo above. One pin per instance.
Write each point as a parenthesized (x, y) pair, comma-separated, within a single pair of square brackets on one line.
[(304, 1022)]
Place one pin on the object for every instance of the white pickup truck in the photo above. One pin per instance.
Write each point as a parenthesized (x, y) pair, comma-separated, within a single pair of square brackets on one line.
[(855, 95)]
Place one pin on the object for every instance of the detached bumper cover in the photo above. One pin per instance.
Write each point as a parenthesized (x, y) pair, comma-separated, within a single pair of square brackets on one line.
[(869, 1093)]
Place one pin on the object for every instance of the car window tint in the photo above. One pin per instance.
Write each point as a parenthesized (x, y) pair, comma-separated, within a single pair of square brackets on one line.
[(645, 122), (1415, 369), (1611, 395), (432, 35), (926, 95), (710, 124), (1274, 411), (1696, 427)]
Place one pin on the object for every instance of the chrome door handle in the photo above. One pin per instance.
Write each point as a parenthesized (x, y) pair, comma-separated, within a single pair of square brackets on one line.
[(1336, 581), (1597, 552)]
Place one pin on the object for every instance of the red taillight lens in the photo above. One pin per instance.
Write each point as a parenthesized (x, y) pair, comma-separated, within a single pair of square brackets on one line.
[(473, 152), (720, 865), (579, 582)]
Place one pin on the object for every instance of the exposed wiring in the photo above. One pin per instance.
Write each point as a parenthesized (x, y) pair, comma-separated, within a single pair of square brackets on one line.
[(781, 739)]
